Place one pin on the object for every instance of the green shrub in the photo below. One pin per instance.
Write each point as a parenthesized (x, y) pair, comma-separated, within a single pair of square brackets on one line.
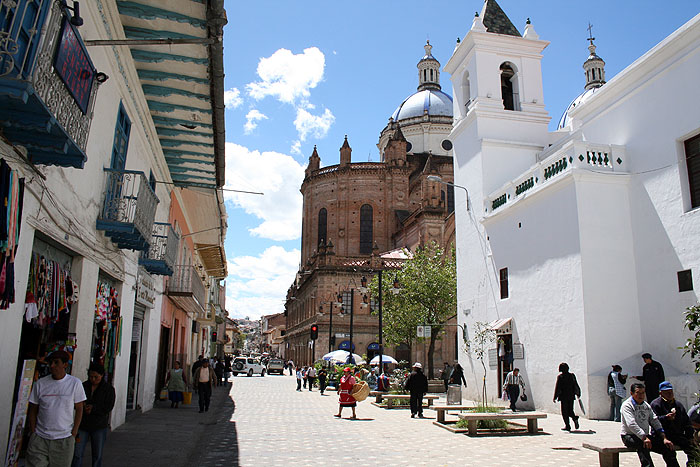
[(486, 424)]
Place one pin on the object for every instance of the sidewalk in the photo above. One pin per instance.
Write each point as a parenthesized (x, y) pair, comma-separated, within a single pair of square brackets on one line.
[(174, 437)]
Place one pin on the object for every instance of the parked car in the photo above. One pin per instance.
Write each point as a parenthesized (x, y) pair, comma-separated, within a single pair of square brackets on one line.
[(275, 365), (247, 366)]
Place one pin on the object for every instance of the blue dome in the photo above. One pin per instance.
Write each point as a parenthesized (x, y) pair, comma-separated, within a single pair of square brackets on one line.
[(432, 101), (565, 119)]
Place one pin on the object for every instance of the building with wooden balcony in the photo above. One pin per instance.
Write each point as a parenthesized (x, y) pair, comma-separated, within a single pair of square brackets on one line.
[(111, 160)]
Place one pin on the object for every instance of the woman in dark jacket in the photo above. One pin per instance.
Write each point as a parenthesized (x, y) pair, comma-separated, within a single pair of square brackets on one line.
[(95, 423), (458, 376), (566, 391)]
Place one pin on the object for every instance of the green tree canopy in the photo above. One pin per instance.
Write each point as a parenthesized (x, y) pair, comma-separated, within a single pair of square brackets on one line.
[(427, 295)]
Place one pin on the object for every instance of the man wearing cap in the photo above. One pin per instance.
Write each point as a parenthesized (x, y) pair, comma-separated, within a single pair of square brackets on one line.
[(675, 421), (417, 385), (652, 375), (55, 411), (637, 420)]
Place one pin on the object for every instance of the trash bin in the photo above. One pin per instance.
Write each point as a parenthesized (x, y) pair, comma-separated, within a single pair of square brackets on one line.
[(454, 394)]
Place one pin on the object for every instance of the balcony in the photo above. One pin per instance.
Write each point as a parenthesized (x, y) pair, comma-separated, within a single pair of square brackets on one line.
[(186, 289), (47, 83), (162, 250), (129, 209)]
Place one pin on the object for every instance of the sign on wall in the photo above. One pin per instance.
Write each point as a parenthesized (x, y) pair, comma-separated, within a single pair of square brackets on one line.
[(518, 351), (145, 289), (73, 65), (493, 359)]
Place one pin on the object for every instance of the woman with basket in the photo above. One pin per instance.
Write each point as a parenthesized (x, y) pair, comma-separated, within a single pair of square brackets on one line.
[(347, 382)]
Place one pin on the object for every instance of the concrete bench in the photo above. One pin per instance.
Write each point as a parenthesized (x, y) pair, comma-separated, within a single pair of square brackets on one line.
[(390, 398), (609, 456), (377, 395), (474, 417), (442, 410)]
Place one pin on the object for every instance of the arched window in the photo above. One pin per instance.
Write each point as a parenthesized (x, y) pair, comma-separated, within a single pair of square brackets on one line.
[(509, 87), (322, 226), (366, 232)]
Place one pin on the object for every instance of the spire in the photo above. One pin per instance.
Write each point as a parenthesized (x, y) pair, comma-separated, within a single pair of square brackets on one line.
[(428, 70), (594, 65), (496, 21), (345, 152), (314, 162)]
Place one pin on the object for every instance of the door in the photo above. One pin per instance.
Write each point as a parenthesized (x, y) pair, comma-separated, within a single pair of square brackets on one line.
[(505, 358), (134, 359)]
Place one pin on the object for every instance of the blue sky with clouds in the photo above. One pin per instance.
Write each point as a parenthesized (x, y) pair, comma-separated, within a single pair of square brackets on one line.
[(300, 74)]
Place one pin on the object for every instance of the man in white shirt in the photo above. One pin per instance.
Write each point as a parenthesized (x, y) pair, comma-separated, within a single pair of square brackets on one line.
[(55, 411)]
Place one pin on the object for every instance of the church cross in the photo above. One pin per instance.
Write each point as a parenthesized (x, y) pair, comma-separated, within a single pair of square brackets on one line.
[(590, 33)]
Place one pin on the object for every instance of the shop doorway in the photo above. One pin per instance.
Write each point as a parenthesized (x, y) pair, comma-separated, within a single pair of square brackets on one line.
[(135, 358), (505, 357), (163, 352)]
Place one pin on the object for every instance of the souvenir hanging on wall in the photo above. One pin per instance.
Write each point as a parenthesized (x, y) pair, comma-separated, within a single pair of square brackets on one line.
[(11, 202), (107, 329), (50, 290)]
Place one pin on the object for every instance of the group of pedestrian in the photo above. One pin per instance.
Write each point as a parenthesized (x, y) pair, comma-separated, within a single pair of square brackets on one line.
[(65, 414)]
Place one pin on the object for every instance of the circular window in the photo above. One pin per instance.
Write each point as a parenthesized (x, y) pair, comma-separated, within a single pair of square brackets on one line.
[(446, 144), (409, 146)]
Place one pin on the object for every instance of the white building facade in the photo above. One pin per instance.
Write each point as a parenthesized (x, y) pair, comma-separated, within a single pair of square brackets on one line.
[(578, 245)]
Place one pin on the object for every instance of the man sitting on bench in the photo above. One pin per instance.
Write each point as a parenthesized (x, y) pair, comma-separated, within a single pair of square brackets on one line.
[(674, 419), (637, 417)]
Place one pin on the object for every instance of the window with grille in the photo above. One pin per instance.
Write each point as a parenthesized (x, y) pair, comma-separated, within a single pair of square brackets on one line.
[(366, 229), (322, 226), (692, 160), (347, 302), (503, 273)]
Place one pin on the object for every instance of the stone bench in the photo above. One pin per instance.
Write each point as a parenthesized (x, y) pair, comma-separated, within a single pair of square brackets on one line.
[(608, 456), (390, 398), (474, 417), (442, 410)]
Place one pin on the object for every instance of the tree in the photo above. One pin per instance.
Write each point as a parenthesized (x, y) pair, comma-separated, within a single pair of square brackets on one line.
[(484, 337), (427, 295), (692, 345)]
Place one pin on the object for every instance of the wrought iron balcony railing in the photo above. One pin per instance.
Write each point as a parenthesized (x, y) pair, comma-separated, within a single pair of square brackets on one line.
[(162, 250), (186, 289), (47, 82), (129, 209)]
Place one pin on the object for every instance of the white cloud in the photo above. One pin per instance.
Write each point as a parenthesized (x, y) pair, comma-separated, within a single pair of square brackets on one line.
[(296, 147), (232, 98), (257, 285), (287, 76), (252, 119), (317, 126), (277, 175)]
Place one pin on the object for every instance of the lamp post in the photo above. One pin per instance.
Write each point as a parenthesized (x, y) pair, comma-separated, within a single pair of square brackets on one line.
[(437, 178)]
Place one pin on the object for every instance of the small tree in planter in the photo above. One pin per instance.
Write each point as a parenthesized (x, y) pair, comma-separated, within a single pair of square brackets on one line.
[(692, 345), (484, 337)]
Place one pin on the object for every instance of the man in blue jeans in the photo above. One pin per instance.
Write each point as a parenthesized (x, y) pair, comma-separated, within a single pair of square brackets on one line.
[(512, 386)]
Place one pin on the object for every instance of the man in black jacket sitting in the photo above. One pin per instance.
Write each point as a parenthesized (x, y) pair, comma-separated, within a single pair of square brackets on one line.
[(675, 421)]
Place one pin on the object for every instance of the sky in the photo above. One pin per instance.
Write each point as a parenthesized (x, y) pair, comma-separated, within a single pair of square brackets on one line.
[(300, 74)]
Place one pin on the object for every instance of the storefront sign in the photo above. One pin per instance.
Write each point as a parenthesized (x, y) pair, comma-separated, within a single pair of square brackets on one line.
[(373, 346), (73, 65), (145, 290), (18, 421)]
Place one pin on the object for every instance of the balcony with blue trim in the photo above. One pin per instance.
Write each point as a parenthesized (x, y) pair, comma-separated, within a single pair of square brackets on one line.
[(186, 289), (129, 209), (47, 83), (162, 250)]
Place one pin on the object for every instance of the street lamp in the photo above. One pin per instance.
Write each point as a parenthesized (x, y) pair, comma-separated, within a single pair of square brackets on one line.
[(437, 178)]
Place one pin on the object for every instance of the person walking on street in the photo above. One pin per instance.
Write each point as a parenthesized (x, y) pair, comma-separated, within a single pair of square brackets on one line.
[(311, 377), (304, 375), (652, 375), (675, 421), (512, 384), (637, 418), (417, 385), (322, 376), (291, 367), (205, 379), (94, 425), (299, 378), (566, 391), (55, 413), (176, 384), (457, 376), (446, 374), (345, 398), (616, 391), (196, 365)]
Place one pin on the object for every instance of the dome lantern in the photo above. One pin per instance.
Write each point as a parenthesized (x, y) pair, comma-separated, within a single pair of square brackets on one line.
[(594, 65), (428, 70)]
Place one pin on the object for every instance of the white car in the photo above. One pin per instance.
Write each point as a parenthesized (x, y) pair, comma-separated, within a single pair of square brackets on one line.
[(247, 366)]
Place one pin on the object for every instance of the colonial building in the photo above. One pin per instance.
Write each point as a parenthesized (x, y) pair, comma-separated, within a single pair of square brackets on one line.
[(356, 212), (112, 153), (581, 243)]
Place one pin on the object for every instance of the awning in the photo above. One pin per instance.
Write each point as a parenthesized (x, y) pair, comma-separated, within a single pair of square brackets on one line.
[(502, 326)]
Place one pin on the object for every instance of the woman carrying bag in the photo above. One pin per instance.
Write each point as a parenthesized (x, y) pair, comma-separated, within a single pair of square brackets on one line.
[(176, 384), (566, 391)]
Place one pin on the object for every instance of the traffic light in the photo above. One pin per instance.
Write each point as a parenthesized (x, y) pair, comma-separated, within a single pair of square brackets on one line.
[(213, 336), (314, 332)]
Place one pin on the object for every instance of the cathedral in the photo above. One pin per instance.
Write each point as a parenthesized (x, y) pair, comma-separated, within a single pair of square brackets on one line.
[(581, 244), (361, 217)]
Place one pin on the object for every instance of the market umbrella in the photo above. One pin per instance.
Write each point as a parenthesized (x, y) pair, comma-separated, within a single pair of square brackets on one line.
[(385, 359), (341, 356)]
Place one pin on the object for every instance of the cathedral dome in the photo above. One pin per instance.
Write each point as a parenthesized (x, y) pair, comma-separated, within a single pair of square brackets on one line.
[(583, 97), (426, 102)]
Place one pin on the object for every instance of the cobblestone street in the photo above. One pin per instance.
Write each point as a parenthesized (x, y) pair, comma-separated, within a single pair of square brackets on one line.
[(271, 424)]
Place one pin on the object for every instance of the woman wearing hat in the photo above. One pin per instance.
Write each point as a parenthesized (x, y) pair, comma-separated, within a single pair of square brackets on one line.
[(347, 381)]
